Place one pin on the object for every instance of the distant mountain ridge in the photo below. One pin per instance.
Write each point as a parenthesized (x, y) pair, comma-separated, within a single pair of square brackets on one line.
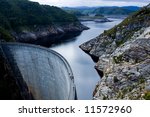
[(132, 8), (104, 10), (115, 10)]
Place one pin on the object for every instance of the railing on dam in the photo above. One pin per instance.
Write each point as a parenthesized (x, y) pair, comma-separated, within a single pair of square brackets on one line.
[(44, 72)]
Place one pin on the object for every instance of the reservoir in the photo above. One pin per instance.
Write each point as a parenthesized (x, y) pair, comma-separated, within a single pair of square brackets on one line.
[(82, 65)]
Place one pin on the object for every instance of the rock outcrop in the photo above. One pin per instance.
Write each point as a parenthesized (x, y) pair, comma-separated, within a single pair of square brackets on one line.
[(47, 35), (122, 56)]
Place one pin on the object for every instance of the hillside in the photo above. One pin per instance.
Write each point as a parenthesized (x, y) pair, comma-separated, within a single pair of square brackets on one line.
[(18, 16), (122, 56), (112, 10), (78, 10)]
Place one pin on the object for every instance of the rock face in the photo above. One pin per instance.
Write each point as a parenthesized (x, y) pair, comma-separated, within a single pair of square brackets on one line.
[(99, 19), (102, 20), (123, 58), (42, 34)]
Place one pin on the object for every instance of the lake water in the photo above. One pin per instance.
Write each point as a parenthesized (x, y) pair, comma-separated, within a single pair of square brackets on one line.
[(82, 65)]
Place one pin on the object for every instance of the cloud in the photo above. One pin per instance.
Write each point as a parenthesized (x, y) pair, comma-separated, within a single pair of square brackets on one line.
[(147, 1), (94, 2)]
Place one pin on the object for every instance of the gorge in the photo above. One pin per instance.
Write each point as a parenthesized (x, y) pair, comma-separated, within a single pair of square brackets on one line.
[(85, 75), (120, 50)]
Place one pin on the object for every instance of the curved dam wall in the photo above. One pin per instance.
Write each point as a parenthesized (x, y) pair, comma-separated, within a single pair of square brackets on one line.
[(39, 72)]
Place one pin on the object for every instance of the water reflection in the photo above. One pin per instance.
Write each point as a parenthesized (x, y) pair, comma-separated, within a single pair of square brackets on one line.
[(82, 65)]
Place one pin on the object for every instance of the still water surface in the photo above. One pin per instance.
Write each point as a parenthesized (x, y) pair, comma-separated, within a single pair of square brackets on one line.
[(82, 65)]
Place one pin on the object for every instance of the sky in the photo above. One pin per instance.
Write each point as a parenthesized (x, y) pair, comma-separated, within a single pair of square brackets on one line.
[(74, 3)]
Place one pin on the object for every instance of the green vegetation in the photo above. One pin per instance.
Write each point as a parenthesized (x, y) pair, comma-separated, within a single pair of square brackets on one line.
[(119, 42), (141, 80), (112, 11), (4, 34), (99, 15), (111, 32), (105, 97), (23, 13), (147, 96), (118, 59), (138, 16), (125, 90), (120, 95), (78, 10), (129, 26)]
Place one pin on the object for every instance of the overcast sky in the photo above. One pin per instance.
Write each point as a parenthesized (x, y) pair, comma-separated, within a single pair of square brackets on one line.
[(73, 3)]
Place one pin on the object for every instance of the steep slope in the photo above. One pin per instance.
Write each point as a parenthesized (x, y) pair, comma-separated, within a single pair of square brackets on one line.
[(122, 56), (114, 10), (23, 20)]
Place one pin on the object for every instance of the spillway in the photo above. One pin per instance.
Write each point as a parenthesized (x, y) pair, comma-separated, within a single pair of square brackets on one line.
[(40, 73)]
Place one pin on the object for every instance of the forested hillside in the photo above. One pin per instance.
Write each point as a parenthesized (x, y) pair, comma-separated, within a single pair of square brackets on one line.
[(18, 14)]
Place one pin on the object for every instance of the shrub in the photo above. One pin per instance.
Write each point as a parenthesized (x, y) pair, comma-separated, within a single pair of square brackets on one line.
[(147, 96)]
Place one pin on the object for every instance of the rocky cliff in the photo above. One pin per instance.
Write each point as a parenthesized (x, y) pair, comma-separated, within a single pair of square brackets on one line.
[(122, 56)]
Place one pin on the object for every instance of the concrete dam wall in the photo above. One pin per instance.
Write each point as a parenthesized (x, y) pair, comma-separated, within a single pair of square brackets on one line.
[(40, 73)]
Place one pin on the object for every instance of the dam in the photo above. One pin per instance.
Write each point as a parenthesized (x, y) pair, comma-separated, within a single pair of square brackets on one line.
[(39, 73)]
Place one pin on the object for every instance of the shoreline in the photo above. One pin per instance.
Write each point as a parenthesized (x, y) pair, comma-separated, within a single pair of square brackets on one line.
[(49, 35)]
